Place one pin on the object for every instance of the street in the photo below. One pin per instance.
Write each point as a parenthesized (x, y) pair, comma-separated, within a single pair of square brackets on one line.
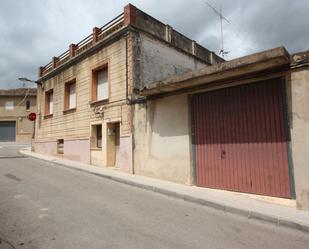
[(46, 206)]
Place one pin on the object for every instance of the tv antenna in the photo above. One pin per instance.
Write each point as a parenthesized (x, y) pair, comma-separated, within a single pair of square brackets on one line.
[(222, 17)]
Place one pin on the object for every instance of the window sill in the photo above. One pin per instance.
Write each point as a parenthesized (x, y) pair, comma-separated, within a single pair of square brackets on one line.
[(69, 110), (96, 149), (98, 102), (48, 116)]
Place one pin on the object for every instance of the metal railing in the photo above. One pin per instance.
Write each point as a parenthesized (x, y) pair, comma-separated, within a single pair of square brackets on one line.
[(86, 43)]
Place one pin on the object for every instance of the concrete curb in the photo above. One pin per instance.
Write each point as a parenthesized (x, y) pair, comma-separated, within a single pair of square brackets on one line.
[(186, 197)]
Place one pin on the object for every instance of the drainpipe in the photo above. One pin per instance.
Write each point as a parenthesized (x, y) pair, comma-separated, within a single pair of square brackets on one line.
[(127, 73), (128, 101)]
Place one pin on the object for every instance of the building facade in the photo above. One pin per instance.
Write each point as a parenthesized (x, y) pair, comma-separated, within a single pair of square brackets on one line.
[(15, 105), (243, 127), (88, 96), (139, 96)]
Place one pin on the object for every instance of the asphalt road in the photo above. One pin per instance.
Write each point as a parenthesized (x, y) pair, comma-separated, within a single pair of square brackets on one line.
[(48, 206)]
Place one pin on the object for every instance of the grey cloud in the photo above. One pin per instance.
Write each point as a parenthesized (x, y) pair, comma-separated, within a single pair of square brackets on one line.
[(33, 31)]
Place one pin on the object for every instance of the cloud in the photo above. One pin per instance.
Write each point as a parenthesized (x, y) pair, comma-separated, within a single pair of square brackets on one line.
[(33, 31)]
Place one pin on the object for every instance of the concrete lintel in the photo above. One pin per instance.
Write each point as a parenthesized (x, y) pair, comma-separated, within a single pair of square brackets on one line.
[(251, 64)]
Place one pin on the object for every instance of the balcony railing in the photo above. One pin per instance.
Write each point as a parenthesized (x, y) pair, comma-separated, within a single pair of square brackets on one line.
[(97, 35)]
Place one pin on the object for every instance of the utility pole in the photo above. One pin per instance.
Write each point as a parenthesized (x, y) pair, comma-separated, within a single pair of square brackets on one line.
[(219, 13)]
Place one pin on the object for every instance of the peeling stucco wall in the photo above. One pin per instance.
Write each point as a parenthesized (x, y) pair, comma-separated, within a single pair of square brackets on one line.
[(161, 139), (77, 150), (299, 122), (159, 61)]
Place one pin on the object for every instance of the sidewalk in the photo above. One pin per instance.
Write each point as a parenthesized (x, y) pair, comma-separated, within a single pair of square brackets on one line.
[(226, 201)]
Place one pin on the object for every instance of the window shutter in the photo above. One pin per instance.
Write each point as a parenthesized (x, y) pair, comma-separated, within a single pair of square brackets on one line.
[(102, 87), (9, 105), (51, 106), (72, 96)]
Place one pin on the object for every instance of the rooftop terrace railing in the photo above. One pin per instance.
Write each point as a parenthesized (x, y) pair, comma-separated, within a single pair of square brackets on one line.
[(97, 35), (141, 21)]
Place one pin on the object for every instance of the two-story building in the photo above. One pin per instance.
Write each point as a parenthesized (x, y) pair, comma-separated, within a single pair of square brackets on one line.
[(139, 96), (15, 105), (86, 102)]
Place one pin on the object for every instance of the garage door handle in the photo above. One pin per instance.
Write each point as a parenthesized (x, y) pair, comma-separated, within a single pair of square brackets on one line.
[(223, 154)]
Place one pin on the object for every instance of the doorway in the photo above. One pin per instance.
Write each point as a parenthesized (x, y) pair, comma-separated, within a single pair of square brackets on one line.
[(7, 131), (113, 143)]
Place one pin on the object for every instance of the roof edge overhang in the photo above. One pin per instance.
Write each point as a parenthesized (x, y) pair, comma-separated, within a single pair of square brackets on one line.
[(276, 59)]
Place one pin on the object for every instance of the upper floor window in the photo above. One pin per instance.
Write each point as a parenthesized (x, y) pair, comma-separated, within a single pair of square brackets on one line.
[(9, 105), (100, 84), (28, 104), (70, 95), (49, 102)]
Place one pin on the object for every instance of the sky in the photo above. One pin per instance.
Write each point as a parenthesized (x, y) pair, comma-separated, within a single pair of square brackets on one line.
[(33, 31)]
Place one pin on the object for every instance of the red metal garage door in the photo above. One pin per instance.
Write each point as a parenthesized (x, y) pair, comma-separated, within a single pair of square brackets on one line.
[(241, 140)]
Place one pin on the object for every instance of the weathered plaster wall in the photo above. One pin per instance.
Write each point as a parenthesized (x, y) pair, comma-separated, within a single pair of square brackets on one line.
[(158, 61), (161, 139), (77, 150), (46, 148), (299, 106), (124, 160)]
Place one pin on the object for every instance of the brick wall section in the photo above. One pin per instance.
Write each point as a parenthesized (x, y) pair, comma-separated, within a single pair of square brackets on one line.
[(130, 15)]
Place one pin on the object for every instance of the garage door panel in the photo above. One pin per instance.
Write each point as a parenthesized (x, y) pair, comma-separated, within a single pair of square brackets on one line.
[(240, 139), (7, 131)]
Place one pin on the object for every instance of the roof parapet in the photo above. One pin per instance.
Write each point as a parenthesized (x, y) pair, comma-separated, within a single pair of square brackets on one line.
[(138, 19), (147, 23), (18, 92)]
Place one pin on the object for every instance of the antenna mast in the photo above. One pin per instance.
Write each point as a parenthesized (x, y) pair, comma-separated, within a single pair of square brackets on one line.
[(219, 13)]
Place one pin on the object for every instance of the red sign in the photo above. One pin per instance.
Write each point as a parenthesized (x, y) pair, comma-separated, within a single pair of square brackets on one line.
[(32, 116)]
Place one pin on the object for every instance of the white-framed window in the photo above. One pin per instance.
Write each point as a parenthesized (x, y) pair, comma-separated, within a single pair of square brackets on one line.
[(9, 105)]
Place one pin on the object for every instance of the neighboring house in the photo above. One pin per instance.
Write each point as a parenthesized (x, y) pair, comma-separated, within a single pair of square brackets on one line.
[(241, 125), (15, 105), (86, 104)]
